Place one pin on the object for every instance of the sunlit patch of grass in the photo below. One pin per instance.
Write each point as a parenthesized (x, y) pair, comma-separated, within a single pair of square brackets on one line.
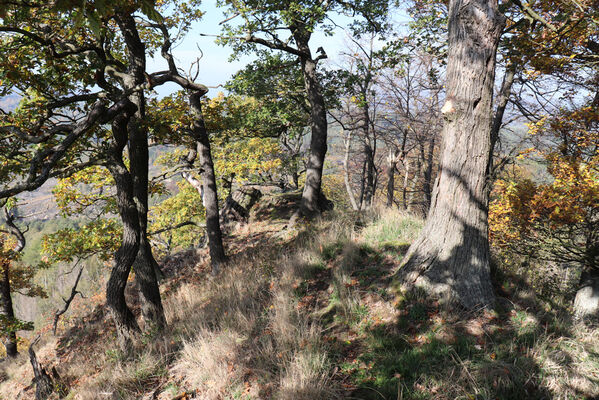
[(392, 228)]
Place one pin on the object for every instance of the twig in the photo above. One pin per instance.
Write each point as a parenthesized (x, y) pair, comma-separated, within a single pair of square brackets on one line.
[(68, 301)]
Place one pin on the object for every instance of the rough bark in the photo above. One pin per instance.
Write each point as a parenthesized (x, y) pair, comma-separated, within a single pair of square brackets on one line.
[(210, 196), (451, 256), (145, 266), (126, 325), (369, 181), (311, 195), (6, 308), (44, 386)]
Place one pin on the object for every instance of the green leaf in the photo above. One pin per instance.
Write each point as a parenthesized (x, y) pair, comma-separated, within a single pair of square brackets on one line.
[(147, 7), (95, 24)]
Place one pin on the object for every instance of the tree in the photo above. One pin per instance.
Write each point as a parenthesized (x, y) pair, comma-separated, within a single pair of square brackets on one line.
[(84, 67), (357, 114), (556, 220), (264, 21), (13, 278), (451, 256)]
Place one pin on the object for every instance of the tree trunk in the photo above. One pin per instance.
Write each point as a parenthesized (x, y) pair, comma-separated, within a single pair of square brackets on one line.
[(428, 175), (210, 197), (44, 386), (145, 266), (346, 175), (451, 256), (363, 184), (391, 160), (406, 180), (502, 100), (369, 184), (311, 196), (414, 198), (368, 154), (126, 325), (7, 311)]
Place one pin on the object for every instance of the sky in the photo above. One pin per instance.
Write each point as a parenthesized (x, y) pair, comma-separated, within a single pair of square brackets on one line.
[(215, 67)]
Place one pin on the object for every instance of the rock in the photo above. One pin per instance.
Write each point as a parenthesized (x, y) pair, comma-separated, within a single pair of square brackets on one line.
[(586, 302), (238, 205)]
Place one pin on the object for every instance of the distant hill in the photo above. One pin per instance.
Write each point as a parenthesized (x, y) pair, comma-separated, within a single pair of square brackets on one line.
[(10, 102)]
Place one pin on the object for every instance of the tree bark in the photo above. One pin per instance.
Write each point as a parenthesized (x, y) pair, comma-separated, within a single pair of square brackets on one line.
[(346, 175), (6, 306), (428, 175), (210, 196), (10, 342), (126, 325), (369, 182), (391, 162), (451, 256), (44, 386), (145, 265), (406, 180), (311, 196)]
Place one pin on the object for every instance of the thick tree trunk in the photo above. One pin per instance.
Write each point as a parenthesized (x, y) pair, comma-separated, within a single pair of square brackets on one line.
[(451, 256), (346, 175), (126, 325), (145, 266), (311, 196), (210, 196), (6, 308)]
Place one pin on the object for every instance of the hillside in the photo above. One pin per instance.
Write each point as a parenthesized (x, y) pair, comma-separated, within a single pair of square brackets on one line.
[(315, 313)]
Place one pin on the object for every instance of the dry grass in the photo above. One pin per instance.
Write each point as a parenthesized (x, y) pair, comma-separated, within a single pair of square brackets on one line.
[(312, 314)]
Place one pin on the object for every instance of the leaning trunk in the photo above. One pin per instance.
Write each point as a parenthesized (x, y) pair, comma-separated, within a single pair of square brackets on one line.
[(145, 265), (210, 197), (126, 325), (451, 256), (6, 309)]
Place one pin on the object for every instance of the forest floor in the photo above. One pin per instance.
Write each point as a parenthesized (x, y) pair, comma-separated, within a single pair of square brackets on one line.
[(315, 313)]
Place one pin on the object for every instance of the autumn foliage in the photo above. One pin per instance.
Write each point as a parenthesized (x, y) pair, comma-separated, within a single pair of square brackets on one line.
[(557, 219)]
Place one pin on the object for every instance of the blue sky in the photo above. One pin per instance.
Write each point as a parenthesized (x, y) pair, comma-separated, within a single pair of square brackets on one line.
[(215, 67)]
